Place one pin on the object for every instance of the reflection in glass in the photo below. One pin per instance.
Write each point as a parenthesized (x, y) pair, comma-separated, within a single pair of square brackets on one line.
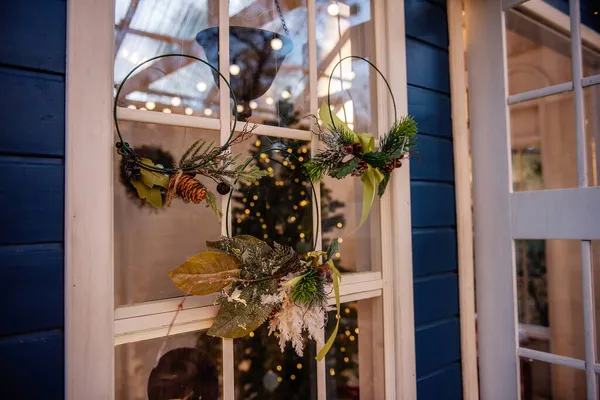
[(262, 371), (279, 207), (544, 143), (147, 28), (255, 55), (537, 56), (269, 54), (346, 28), (540, 380), (149, 242), (354, 365), (341, 209), (189, 365), (549, 289)]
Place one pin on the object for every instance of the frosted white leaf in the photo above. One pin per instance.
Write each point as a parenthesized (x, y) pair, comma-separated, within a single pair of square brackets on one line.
[(292, 319), (236, 296)]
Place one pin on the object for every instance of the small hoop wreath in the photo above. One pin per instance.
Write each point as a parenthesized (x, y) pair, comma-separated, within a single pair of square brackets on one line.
[(259, 283), (159, 184), (347, 153)]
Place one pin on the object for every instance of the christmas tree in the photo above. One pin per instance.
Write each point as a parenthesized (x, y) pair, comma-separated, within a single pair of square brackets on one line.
[(279, 208)]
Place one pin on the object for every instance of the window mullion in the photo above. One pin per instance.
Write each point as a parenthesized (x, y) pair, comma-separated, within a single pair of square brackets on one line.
[(225, 119), (314, 106)]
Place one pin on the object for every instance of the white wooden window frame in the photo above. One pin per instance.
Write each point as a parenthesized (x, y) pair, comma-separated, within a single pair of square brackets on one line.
[(502, 216), (92, 325)]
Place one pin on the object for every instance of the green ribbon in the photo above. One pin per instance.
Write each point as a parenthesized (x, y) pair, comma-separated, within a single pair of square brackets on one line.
[(337, 277)]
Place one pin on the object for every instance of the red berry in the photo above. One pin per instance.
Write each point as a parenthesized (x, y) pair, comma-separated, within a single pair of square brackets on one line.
[(357, 148), (398, 163), (349, 148)]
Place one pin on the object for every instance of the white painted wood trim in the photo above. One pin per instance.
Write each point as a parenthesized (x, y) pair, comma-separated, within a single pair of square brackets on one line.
[(190, 121), (492, 184), (162, 306), (89, 275), (539, 93), (398, 302), (506, 4), (590, 80), (560, 20), (161, 332), (535, 214), (552, 358), (464, 217)]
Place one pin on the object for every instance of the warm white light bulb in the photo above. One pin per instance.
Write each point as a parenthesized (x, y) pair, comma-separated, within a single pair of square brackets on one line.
[(240, 108), (176, 101), (234, 69), (269, 100), (167, 110), (286, 94), (253, 105), (276, 44), (135, 57), (189, 111), (208, 112), (201, 86), (143, 108), (132, 107), (150, 105), (333, 9)]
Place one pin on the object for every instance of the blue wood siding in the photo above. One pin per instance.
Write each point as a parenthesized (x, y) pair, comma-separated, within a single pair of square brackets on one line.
[(32, 110), (437, 327)]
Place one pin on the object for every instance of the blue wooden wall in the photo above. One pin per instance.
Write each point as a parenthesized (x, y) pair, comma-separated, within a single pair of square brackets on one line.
[(437, 328), (32, 133)]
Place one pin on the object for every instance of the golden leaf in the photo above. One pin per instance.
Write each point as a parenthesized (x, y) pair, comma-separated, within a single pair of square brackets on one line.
[(151, 194), (153, 178), (206, 273)]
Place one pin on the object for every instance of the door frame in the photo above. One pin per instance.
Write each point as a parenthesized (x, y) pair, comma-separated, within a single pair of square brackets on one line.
[(89, 214)]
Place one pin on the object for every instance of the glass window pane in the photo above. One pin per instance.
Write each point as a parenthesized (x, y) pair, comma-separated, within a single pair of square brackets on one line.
[(150, 242), (592, 128), (278, 207), (341, 210), (262, 371), (550, 303), (178, 85), (354, 365), (540, 380), (346, 28), (537, 56), (269, 60), (543, 141), (590, 35), (189, 367)]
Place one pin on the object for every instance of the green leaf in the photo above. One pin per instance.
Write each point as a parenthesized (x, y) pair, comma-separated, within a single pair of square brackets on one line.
[(333, 248), (376, 159), (243, 314), (205, 273), (152, 195), (383, 184), (152, 178), (347, 168)]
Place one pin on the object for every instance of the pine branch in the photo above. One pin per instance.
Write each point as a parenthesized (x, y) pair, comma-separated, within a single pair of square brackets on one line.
[(400, 138)]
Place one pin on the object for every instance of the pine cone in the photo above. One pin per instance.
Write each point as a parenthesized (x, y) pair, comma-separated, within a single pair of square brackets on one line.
[(389, 167), (360, 169), (190, 189)]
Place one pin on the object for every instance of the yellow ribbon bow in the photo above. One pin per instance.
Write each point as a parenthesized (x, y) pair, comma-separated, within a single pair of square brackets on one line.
[(372, 176)]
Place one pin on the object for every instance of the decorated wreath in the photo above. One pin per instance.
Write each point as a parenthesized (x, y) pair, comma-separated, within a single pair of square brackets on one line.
[(257, 283)]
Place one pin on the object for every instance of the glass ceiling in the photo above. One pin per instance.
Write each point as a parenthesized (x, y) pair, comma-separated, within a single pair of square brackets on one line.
[(147, 28)]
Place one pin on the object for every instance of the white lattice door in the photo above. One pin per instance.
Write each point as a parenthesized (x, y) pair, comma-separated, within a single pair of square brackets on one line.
[(535, 130)]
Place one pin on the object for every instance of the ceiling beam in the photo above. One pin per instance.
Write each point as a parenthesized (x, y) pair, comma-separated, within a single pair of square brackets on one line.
[(123, 25)]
